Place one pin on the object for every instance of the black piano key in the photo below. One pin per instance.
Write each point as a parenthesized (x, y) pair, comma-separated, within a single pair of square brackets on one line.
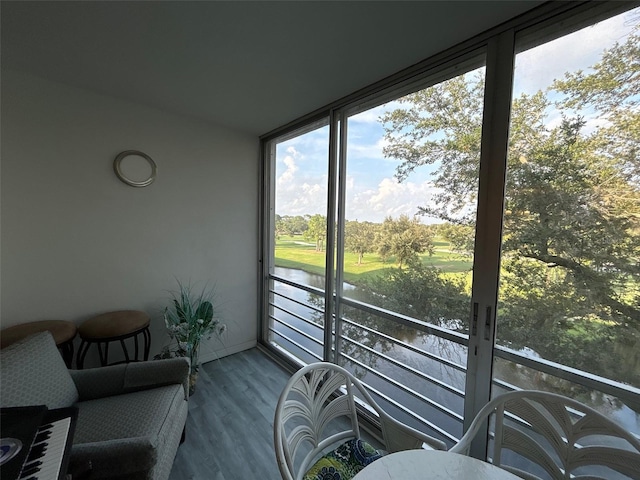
[(37, 451), (42, 436), (26, 472), (34, 463)]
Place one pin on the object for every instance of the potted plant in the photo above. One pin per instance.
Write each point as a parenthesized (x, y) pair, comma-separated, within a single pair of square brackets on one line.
[(191, 318)]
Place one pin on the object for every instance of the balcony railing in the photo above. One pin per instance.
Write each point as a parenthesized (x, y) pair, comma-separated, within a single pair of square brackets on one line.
[(420, 386)]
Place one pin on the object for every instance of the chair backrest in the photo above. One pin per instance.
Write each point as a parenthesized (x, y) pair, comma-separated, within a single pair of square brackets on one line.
[(564, 437), (317, 411)]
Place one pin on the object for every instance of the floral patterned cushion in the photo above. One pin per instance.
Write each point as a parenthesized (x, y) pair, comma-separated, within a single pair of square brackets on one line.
[(344, 462)]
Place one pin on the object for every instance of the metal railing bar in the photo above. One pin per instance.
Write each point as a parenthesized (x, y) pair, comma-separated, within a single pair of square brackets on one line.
[(299, 317), (624, 392), (424, 376), (408, 390), (433, 356), (387, 314), (282, 355), (401, 407), (295, 329), (306, 288), (507, 386), (291, 299), (305, 349), (306, 305), (408, 321)]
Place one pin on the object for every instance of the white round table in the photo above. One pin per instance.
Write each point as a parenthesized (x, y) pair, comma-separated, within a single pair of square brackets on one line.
[(432, 465)]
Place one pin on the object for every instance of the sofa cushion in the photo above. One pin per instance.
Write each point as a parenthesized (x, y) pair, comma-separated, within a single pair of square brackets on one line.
[(123, 434), (32, 372)]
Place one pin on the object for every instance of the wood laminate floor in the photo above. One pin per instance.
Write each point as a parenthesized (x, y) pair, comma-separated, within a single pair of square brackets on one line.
[(230, 422)]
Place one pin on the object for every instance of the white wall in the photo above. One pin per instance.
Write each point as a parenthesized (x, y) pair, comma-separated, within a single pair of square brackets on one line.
[(77, 242)]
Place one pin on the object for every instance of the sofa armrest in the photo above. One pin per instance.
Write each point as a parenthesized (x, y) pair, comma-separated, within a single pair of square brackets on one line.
[(101, 382), (106, 456), (144, 375)]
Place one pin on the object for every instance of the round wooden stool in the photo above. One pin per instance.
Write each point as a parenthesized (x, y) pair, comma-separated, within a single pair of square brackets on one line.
[(63, 333), (111, 327)]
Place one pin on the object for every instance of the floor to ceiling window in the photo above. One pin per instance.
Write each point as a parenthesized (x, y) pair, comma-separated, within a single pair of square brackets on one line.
[(398, 256), (568, 306), (472, 229), (297, 241)]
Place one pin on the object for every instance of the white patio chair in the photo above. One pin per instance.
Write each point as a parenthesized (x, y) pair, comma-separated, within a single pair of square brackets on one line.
[(312, 425), (564, 437)]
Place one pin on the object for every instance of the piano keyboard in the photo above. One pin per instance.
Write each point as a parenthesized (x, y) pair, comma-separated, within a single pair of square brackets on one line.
[(47, 450), (38, 442)]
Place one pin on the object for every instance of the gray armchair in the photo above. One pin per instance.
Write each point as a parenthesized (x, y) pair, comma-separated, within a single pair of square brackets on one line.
[(130, 417)]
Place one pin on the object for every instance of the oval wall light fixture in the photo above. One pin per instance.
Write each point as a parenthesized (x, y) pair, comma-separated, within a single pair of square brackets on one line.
[(135, 168)]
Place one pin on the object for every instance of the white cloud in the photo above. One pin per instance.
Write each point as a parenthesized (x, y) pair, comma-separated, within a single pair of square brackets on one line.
[(301, 174), (389, 198), (301, 198), (288, 175), (298, 194), (538, 67)]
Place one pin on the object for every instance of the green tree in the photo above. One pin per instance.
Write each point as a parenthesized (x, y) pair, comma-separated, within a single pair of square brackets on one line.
[(317, 231), (359, 238), (290, 225), (403, 239), (278, 226), (441, 124), (572, 206), (460, 237), (421, 292)]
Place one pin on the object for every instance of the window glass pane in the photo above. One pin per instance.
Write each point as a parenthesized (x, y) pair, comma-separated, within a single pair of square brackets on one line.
[(412, 181), (299, 233), (301, 205), (570, 283), (411, 192)]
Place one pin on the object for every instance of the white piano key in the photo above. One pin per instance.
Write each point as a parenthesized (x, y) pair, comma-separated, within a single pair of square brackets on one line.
[(53, 453)]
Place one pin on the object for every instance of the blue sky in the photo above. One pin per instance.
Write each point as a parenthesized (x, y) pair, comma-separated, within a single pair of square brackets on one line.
[(372, 191)]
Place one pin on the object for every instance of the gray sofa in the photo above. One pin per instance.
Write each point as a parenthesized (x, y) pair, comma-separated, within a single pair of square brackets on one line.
[(130, 417)]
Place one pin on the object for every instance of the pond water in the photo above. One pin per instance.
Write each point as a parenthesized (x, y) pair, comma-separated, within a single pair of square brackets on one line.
[(506, 371)]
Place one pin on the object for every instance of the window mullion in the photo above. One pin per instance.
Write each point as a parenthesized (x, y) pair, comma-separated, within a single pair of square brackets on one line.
[(491, 188), (342, 186), (267, 231), (329, 281)]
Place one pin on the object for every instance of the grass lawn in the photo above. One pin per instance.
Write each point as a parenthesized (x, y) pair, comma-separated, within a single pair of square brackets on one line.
[(294, 252)]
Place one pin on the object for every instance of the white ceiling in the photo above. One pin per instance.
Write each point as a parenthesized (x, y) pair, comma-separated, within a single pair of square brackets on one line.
[(252, 66)]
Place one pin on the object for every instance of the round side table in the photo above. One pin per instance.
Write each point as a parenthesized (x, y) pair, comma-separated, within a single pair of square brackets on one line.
[(63, 333), (112, 327)]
